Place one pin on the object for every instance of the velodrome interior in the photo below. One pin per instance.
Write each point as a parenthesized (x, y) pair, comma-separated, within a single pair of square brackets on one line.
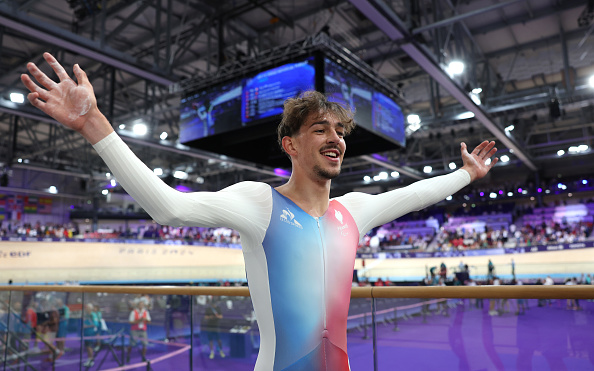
[(527, 83)]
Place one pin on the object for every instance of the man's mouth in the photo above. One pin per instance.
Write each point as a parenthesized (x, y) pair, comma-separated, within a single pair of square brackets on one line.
[(331, 153)]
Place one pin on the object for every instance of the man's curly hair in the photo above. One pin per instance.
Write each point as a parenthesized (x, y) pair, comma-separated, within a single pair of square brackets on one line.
[(297, 110)]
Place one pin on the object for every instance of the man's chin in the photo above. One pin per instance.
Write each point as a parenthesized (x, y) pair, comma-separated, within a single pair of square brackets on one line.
[(327, 174)]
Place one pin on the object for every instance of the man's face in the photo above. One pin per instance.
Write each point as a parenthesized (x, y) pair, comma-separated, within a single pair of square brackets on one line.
[(321, 146)]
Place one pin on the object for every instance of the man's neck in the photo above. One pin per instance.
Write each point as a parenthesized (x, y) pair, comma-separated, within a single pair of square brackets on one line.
[(311, 196)]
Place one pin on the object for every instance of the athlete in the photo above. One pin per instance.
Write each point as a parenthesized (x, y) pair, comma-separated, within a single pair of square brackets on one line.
[(298, 244)]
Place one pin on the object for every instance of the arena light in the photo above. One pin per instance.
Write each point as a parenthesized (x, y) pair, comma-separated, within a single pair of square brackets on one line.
[(509, 194), (427, 169), (178, 174), (449, 198), (107, 175), (163, 135), (104, 192), (158, 171), (501, 192), (140, 129), (455, 68), (475, 98), (367, 178), (122, 126), (493, 195), (509, 128), (539, 190), (591, 81), (504, 158), (395, 174), (465, 115), (17, 98), (414, 122), (376, 178), (113, 183), (560, 152), (383, 175), (584, 182), (519, 190), (482, 194), (452, 165), (52, 190), (413, 119)]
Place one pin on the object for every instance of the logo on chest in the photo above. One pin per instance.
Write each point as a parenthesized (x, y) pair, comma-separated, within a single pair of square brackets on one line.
[(288, 217), (343, 228)]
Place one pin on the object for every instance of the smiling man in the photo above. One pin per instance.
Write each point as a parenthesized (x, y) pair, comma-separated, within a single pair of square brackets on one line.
[(298, 244)]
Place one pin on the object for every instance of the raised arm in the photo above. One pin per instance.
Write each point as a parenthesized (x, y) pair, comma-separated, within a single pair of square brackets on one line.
[(242, 207), (370, 211), (71, 103)]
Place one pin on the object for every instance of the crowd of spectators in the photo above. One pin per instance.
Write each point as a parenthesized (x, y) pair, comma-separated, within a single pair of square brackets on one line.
[(428, 234), (544, 233), (39, 230)]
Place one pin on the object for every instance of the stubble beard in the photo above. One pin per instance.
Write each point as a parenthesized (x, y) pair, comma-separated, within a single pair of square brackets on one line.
[(326, 174)]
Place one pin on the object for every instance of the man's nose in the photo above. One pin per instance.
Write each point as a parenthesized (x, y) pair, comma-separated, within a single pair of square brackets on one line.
[(333, 137)]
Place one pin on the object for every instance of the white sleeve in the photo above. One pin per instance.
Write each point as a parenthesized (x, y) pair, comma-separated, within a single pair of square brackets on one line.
[(245, 206), (370, 211)]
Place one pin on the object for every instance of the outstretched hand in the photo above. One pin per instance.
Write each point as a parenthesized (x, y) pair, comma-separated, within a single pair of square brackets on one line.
[(474, 162), (66, 101)]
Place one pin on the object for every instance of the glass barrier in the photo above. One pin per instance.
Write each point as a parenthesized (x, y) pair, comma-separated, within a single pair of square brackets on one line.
[(58, 330), (485, 334)]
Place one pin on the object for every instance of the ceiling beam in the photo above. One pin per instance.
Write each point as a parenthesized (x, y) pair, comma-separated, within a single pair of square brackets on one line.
[(387, 21), (52, 35)]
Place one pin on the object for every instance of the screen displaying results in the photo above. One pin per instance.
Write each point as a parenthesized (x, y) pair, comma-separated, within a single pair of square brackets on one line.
[(374, 111), (265, 93), (243, 102)]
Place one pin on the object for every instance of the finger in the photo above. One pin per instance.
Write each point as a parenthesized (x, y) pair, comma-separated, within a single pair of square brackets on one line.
[(40, 76), (493, 162), (486, 149), (81, 76), (33, 87), (491, 152), (479, 148), (35, 101), (463, 147), (57, 67)]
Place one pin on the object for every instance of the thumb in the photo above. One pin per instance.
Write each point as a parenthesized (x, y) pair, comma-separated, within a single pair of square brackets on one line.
[(81, 76), (463, 148)]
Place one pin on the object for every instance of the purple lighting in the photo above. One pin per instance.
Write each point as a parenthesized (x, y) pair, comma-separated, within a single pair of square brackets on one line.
[(500, 192), (282, 172), (482, 194), (539, 190), (183, 188), (519, 190)]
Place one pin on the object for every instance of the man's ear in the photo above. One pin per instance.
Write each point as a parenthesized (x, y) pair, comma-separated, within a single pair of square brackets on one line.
[(289, 145)]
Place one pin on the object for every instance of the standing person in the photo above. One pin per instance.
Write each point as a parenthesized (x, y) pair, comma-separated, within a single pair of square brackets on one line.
[(491, 270), (64, 312), (210, 325), (298, 244), (89, 333), (139, 319)]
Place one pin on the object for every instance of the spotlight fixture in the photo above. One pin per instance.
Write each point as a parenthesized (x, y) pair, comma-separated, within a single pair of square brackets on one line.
[(17, 98)]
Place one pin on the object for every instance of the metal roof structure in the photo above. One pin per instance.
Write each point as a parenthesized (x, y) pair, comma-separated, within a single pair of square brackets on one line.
[(532, 61)]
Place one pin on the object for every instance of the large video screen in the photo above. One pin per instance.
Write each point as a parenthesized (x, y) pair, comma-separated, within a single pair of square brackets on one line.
[(344, 87), (387, 118), (265, 93), (374, 111), (210, 111), (244, 101)]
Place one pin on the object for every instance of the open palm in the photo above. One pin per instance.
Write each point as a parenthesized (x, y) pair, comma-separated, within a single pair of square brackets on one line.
[(66, 101), (475, 161)]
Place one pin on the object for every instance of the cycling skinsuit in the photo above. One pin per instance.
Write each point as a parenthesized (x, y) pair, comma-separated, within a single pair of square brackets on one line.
[(299, 268)]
